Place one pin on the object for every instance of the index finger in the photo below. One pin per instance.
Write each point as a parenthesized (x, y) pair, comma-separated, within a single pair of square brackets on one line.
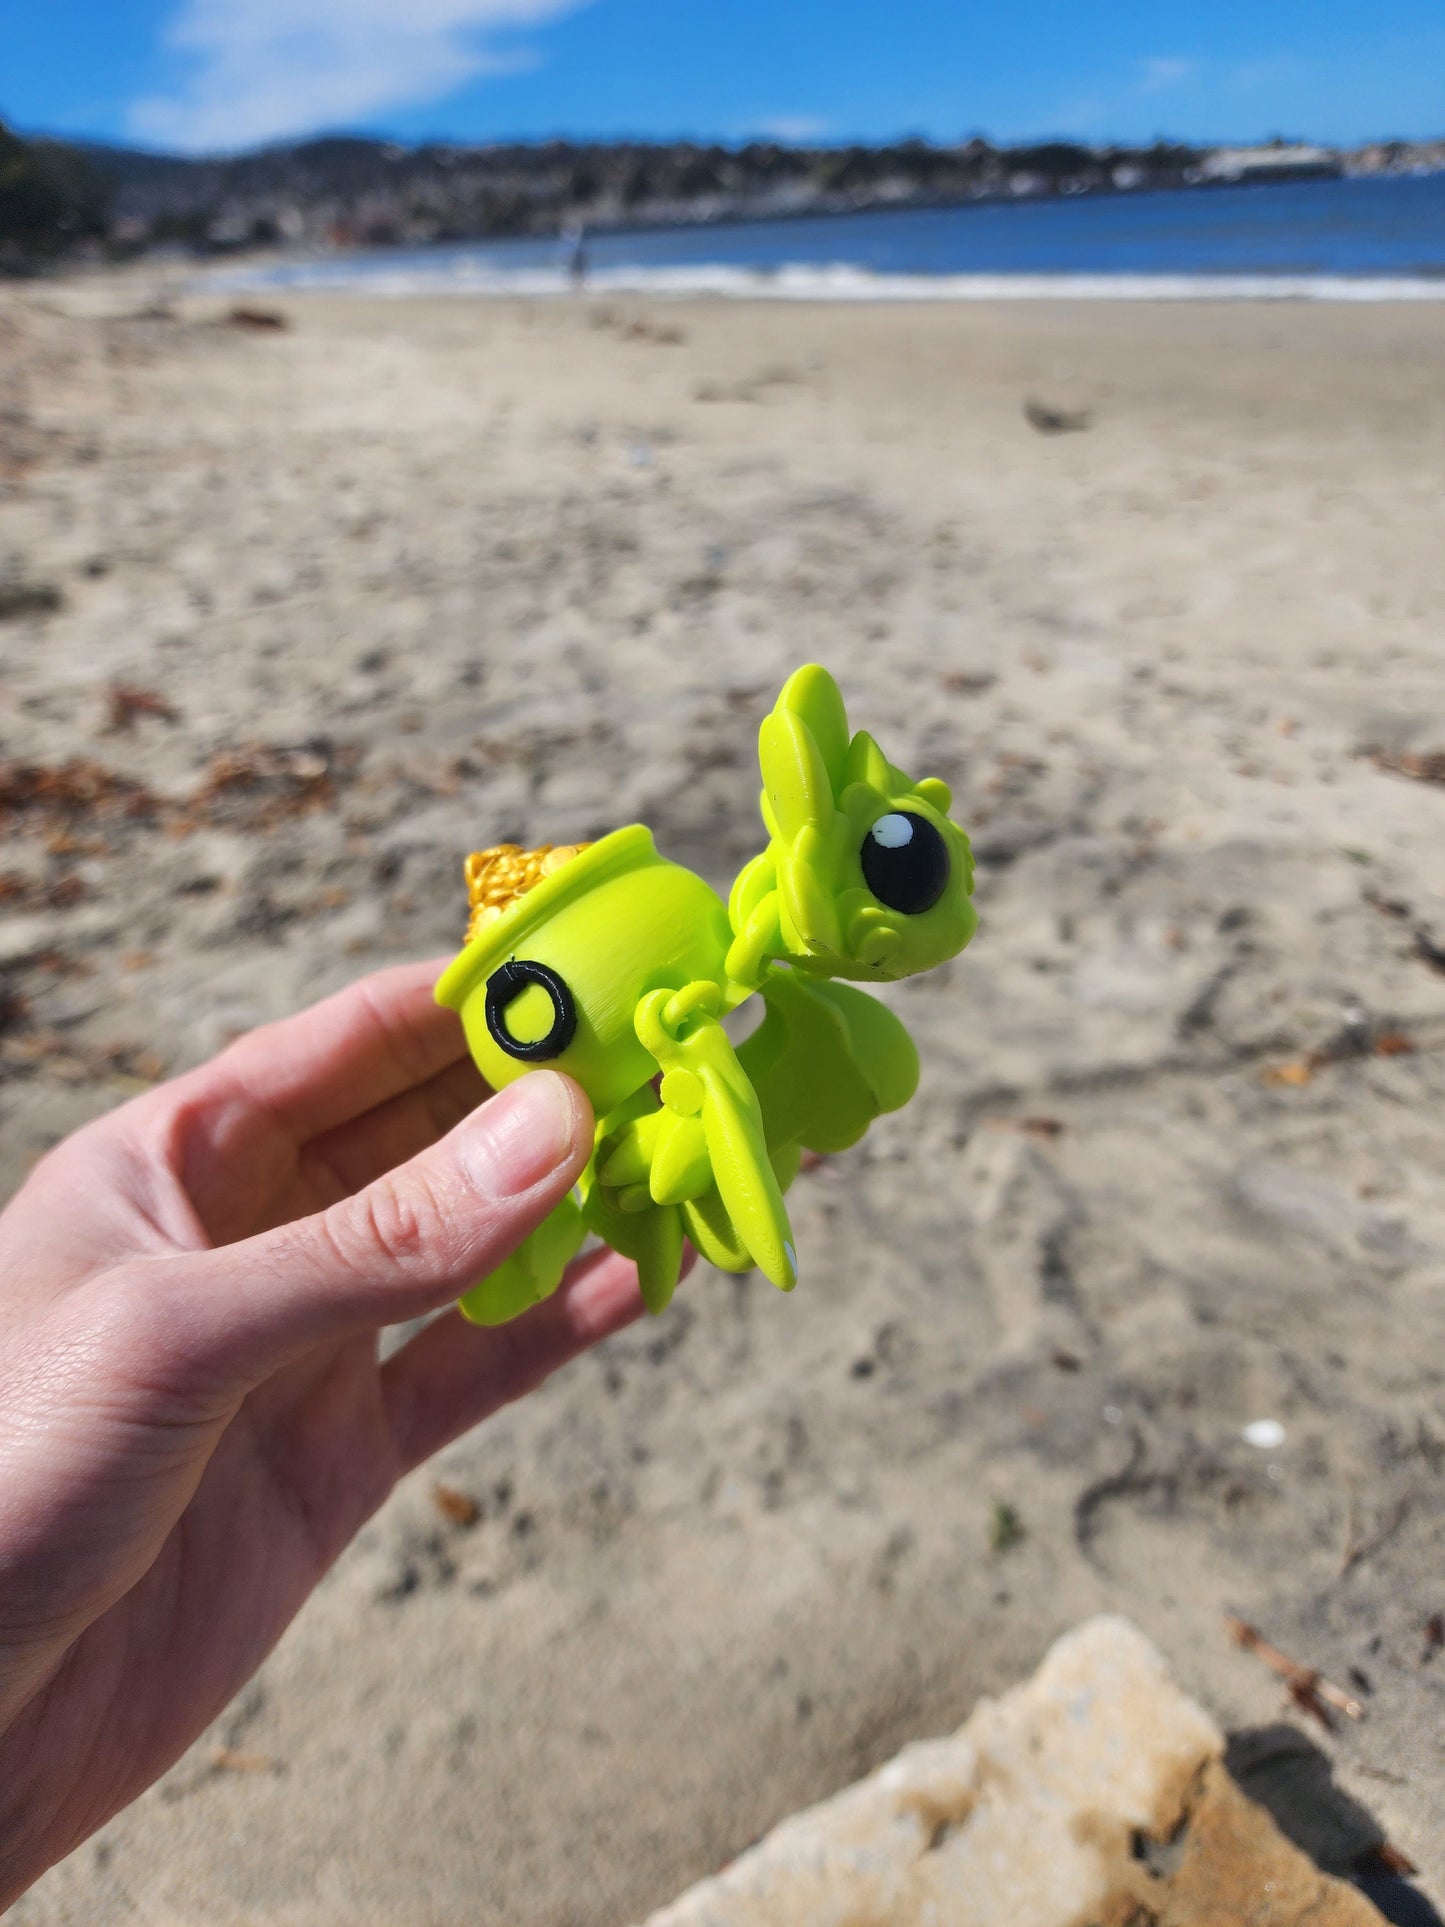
[(380, 1036)]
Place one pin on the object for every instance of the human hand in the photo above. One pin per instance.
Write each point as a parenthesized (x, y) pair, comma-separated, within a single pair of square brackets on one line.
[(193, 1416)]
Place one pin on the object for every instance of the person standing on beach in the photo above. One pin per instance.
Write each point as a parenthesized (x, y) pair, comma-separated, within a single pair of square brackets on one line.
[(577, 259), (195, 1417)]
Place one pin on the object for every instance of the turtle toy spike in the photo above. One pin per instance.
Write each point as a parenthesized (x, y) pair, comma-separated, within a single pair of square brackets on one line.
[(610, 963)]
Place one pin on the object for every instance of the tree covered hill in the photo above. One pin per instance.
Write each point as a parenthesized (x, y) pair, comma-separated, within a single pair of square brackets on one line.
[(59, 198)]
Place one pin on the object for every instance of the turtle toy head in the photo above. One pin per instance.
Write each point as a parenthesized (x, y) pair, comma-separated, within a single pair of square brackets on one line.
[(871, 879)]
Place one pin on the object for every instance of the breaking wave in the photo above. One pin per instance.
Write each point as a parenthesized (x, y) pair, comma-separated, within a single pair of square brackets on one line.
[(455, 274)]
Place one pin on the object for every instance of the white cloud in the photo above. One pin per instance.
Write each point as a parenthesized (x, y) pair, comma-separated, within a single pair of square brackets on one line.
[(263, 70), (796, 130), (1164, 71)]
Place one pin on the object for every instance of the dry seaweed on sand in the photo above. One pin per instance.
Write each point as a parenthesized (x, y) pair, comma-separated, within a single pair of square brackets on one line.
[(458, 1508), (254, 785), (1306, 1685), (267, 783), (80, 787), (28, 1048), (128, 701), (1421, 766), (20, 892), (258, 320), (1298, 1071)]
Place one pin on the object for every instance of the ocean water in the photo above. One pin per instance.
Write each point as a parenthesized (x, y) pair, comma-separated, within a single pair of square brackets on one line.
[(1363, 240)]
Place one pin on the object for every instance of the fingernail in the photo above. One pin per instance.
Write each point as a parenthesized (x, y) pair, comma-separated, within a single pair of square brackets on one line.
[(521, 1135)]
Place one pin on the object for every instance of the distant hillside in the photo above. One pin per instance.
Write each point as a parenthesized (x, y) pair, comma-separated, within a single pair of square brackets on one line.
[(52, 201), (363, 192), (58, 198)]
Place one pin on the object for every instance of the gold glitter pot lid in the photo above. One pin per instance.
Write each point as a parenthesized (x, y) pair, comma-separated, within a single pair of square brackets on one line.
[(625, 849), (498, 876)]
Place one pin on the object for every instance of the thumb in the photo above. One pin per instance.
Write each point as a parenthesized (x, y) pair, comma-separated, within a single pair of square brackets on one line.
[(408, 1243)]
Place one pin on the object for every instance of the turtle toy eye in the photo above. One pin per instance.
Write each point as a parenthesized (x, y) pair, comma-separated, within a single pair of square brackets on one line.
[(905, 862)]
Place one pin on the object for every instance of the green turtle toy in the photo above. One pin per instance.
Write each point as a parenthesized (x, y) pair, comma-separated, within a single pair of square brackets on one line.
[(609, 962)]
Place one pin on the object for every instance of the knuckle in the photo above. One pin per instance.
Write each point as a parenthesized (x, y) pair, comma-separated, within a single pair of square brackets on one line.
[(400, 1034), (401, 1224)]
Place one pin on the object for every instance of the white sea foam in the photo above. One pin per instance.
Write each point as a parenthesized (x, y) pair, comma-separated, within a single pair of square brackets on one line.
[(459, 274)]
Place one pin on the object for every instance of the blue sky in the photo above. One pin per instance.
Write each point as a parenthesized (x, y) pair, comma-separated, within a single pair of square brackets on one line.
[(221, 74)]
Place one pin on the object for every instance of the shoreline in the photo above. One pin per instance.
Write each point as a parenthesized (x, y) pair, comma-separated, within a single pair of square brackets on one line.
[(1358, 241), (827, 285)]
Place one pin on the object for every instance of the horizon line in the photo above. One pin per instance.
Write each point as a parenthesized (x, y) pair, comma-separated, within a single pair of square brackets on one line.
[(733, 142)]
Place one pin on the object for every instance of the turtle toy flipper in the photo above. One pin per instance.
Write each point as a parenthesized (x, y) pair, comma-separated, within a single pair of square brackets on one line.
[(617, 967), (704, 1088), (704, 1148)]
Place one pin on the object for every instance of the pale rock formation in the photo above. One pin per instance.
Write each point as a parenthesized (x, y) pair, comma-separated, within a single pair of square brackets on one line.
[(1092, 1794)]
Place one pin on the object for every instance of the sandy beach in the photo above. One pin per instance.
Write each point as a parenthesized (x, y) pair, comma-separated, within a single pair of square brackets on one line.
[(311, 611)]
